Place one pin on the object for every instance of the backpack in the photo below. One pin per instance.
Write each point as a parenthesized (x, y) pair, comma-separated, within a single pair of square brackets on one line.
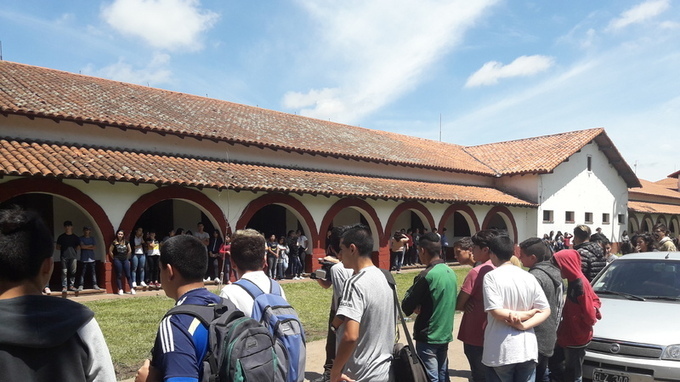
[(239, 348), (274, 312)]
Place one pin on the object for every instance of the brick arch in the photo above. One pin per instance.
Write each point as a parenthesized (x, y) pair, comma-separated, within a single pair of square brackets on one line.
[(172, 192), (661, 219), (674, 225), (295, 205), (54, 187), (352, 203), (650, 223), (632, 218), (503, 211), (448, 213), (406, 206)]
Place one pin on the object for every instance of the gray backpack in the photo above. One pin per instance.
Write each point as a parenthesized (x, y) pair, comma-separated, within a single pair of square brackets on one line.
[(239, 348)]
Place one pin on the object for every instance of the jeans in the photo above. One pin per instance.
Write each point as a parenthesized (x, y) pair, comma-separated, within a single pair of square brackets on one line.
[(542, 372), (474, 356), (302, 253), (296, 267), (398, 260), (567, 364), (68, 270), (138, 263), (88, 267), (271, 267), (154, 271), (516, 372), (122, 266), (434, 359)]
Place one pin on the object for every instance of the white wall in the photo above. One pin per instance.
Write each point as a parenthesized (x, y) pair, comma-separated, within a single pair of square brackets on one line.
[(571, 187)]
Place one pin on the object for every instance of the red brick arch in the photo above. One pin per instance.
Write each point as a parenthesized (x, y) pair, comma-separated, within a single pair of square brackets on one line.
[(462, 208), (406, 206), (57, 188), (147, 200), (366, 209), (503, 211), (294, 205)]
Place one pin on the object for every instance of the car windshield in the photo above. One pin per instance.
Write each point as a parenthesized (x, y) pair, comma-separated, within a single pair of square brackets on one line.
[(640, 279)]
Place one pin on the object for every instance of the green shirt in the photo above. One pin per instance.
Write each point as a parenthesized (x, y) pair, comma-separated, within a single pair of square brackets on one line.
[(435, 290)]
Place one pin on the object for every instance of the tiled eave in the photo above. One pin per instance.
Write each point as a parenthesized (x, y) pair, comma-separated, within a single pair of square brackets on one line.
[(63, 161), (654, 208), (235, 141)]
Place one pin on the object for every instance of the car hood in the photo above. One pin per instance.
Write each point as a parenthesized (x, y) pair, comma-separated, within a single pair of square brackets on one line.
[(646, 322)]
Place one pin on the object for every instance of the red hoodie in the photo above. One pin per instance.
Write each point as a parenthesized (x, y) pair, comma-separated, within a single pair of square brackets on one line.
[(582, 306)]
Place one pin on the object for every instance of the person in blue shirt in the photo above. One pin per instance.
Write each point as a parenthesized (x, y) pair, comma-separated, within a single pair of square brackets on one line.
[(182, 340)]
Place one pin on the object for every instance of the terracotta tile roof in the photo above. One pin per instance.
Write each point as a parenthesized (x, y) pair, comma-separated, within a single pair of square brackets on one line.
[(654, 189), (675, 174), (654, 208), (670, 183), (72, 162), (34, 91), (542, 154)]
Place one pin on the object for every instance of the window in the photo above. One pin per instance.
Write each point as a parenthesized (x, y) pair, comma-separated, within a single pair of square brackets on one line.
[(569, 216), (589, 218), (590, 163), (605, 218), (622, 219), (547, 216)]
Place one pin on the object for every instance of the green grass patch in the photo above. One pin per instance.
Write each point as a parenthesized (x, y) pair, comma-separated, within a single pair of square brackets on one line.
[(130, 324)]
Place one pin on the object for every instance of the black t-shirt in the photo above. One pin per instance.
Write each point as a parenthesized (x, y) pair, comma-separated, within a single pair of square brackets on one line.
[(68, 241)]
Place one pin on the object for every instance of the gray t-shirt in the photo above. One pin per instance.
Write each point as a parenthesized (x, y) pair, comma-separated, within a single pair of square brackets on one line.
[(339, 274), (368, 300)]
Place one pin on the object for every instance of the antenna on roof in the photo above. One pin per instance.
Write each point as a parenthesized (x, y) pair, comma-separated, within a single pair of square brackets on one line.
[(440, 127), (0, 50)]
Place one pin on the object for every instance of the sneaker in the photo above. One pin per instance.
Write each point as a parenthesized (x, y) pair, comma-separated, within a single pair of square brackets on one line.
[(143, 284), (205, 280), (217, 280), (158, 285), (72, 288), (132, 291), (80, 288), (134, 284), (96, 287), (64, 290), (120, 292)]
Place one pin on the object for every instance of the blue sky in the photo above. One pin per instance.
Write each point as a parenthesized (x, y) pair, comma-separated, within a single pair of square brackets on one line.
[(489, 70)]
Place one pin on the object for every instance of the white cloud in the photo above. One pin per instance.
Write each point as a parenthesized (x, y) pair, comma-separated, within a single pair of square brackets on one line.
[(375, 51), (155, 73), (523, 66), (639, 13), (163, 24)]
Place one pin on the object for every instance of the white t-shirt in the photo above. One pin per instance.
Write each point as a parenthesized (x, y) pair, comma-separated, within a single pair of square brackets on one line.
[(510, 287), (368, 300), (241, 298)]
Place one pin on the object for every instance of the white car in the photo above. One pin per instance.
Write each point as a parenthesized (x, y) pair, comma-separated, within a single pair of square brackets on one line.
[(638, 337)]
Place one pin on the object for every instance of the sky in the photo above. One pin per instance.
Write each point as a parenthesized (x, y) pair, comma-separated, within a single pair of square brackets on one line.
[(460, 71)]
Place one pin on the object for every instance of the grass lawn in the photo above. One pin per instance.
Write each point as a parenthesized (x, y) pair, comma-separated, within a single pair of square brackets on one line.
[(130, 324)]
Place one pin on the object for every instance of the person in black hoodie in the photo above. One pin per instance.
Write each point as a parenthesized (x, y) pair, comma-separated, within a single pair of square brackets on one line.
[(592, 254), (42, 338), (535, 255)]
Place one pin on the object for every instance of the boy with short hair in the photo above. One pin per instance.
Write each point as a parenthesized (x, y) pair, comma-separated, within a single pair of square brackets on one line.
[(42, 338)]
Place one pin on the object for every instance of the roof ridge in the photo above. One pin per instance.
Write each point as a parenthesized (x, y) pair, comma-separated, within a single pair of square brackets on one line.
[(594, 129)]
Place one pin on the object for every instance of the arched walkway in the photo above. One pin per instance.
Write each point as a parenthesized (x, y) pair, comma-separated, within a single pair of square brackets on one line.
[(173, 192), (647, 223), (416, 207), (360, 205), (465, 211), (505, 214)]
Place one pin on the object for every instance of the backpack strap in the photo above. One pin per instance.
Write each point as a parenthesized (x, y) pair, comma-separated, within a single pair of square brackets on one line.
[(206, 313), (393, 284), (254, 291)]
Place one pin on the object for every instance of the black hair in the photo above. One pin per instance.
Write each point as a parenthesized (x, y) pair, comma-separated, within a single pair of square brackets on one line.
[(483, 237), (336, 237), (179, 231), (431, 243), (247, 249), (599, 238), (68, 223), (502, 246), (360, 236), (187, 255), (582, 232), (464, 243), (537, 247), (648, 239), (25, 242)]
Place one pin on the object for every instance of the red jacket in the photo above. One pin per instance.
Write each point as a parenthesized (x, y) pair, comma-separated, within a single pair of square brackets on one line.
[(582, 306)]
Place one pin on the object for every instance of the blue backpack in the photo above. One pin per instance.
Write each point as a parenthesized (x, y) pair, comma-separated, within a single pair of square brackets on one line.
[(275, 313)]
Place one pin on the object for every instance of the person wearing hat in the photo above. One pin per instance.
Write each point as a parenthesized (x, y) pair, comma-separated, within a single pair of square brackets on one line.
[(87, 263)]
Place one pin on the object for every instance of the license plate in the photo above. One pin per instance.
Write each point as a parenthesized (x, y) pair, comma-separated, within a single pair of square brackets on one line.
[(600, 375)]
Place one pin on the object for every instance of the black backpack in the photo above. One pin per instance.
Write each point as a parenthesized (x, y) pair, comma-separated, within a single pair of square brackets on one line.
[(239, 348)]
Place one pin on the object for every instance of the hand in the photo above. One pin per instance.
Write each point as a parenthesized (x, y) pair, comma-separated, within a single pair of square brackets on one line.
[(417, 310), (341, 377), (147, 373)]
